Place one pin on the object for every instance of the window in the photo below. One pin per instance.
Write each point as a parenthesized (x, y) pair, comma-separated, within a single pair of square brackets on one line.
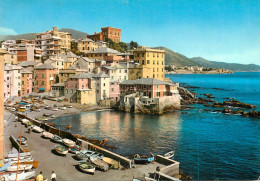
[(22, 75), (112, 77), (7, 78), (162, 69), (18, 83), (154, 62), (148, 61), (143, 62), (19, 77), (112, 89), (137, 54), (158, 94), (157, 62), (42, 82), (22, 82), (104, 84), (67, 91), (42, 75), (142, 54), (162, 62), (19, 71), (125, 71), (36, 82)]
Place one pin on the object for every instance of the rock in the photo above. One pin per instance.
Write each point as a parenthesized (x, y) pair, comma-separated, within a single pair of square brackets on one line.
[(209, 95)]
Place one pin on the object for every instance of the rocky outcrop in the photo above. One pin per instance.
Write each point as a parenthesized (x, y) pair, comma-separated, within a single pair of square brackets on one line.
[(233, 103)]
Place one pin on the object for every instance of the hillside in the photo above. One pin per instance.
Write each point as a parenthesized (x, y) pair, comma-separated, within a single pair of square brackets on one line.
[(31, 36), (231, 66), (177, 59)]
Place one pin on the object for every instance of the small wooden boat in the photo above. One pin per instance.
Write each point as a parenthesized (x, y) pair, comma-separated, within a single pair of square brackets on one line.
[(98, 155), (37, 129), (87, 167), (74, 149), (63, 108), (25, 121), (68, 142), (5, 166), (15, 155), (143, 160), (114, 164), (34, 163), (21, 176), (22, 139), (169, 154), (20, 167), (47, 134), (85, 154), (61, 149), (57, 139), (16, 158), (99, 163)]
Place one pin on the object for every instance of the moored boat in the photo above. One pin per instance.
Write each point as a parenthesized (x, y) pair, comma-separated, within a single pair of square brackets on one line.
[(143, 159), (84, 154), (61, 150), (68, 142), (22, 139), (20, 167), (87, 167), (5, 166), (114, 164), (21, 176), (169, 154), (15, 155), (74, 149), (57, 139), (25, 121), (99, 163), (47, 134), (37, 129)]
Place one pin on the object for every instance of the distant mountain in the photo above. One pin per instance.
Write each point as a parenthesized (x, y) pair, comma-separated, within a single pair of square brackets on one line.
[(31, 36), (177, 59), (231, 66)]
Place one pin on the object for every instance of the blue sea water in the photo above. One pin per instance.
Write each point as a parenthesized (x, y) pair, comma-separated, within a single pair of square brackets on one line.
[(207, 145)]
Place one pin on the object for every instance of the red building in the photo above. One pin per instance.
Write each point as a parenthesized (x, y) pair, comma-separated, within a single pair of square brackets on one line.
[(107, 33)]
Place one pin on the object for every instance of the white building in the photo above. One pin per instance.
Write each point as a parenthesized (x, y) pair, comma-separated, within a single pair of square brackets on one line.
[(12, 81), (7, 43), (102, 86)]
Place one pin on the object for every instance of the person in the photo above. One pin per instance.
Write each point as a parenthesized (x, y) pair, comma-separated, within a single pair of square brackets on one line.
[(39, 177), (53, 176), (29, 130)]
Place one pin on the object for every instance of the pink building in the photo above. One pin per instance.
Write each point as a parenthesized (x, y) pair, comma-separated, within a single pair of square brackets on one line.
[(27, 79), (114, 92), (149, 87)]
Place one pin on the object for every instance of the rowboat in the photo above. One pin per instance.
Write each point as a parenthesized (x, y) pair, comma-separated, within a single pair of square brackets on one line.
[(22, 139), (87, 167), (15, 155), (5, 166), (20, 176), (20, 167), (37, 129), (29, 157), (47, 134), (98, 155), (61, 149), (169, 154), (68, 142), (99, 163), (25, 121), (57, 139), (85, 154), (143, 160), (114, 164), (74, 149), (34, 163)]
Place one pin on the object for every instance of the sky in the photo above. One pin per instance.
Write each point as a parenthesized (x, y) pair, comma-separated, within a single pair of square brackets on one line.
[(219, 30)]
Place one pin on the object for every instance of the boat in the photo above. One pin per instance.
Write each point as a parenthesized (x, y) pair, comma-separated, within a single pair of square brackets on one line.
[(87, 167), (98, 155), (47, 134), (20, 167), (61, 149), (99, 163), (34, 163), (55, 109), (20, 158), (25, 121), (57, 139), (63, 108), (15, 155), (37, 129), (114, 164), (22, 139), (21, 176), (143, 159), (74, 149), (68, 142), (85, 154), (5, 166), (169, 154)]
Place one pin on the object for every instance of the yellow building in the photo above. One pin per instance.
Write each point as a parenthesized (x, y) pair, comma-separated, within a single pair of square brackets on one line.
[(86, 44), (10, 58), (87, 96), (151, 64)]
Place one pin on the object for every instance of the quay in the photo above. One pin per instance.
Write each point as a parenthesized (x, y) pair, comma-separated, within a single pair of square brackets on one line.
[(66, 167)]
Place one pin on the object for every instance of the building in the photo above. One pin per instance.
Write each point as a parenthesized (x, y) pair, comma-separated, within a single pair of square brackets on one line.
[(88, 64), (81, 89), (25, 52), (116, 72), (148, 95), (104, 53), (10, 58), (7, 43), (26, 81), (149, 64), (86, 44), (114, 91), (12, 81), (57, 90), (53, 42), (102, 86), (2, 155), (107, 33), (44, 77)]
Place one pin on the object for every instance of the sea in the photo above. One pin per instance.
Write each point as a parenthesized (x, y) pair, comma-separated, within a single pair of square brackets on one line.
[(208, 145)]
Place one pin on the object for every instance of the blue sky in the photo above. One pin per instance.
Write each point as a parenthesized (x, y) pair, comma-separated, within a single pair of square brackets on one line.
[(220, 30)]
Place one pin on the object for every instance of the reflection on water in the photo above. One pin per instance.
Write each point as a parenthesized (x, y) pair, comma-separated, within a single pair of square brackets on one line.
[(131, 133)]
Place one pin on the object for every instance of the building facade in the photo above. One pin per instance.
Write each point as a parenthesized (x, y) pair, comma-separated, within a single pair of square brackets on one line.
[(86, 44), (53, 42), (26, 81), (151, 64), (44, 77), (107, 33)]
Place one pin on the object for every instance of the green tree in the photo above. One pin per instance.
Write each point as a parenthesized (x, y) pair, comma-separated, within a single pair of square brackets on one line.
[(133, 45)]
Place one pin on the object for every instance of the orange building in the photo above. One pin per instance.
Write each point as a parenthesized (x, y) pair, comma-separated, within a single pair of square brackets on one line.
[(44, 77), (26, 81), (107, 33), (21, 55)]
